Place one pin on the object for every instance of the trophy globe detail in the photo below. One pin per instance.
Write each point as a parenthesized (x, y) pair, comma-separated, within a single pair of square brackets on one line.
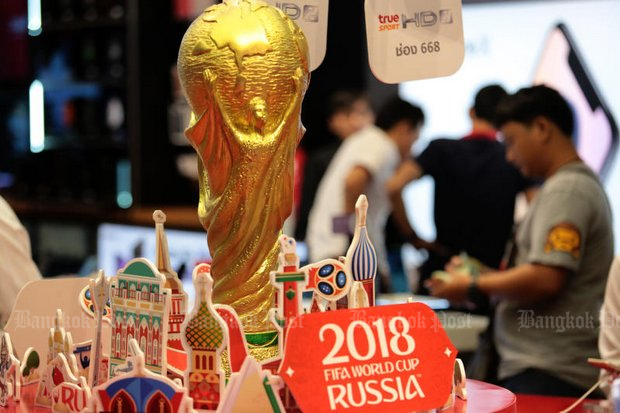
[(244, 68)]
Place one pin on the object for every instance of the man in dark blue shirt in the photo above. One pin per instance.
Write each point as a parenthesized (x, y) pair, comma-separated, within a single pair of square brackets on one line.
[(475, 191)]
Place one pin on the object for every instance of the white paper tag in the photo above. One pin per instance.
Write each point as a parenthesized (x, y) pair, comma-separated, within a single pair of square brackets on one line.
[(414, 39), (311, 17)]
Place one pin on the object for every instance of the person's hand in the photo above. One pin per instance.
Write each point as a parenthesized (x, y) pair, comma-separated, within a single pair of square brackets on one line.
[(437, 248), (454, 289), (465, 263), (454, 264)]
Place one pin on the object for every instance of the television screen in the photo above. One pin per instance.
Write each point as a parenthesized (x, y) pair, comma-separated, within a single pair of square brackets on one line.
[(117, 244)]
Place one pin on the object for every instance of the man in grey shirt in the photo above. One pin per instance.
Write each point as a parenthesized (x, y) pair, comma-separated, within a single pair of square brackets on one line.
[(546, 321)]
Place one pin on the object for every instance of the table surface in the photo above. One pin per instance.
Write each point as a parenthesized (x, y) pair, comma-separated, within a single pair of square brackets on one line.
[(527, 403), (488, 398), (26, 403)]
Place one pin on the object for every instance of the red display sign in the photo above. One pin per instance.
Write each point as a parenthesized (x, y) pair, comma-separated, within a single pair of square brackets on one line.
[(393, 358)]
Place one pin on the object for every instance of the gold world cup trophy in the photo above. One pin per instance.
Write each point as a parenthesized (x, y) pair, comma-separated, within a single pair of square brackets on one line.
[(244, 68)]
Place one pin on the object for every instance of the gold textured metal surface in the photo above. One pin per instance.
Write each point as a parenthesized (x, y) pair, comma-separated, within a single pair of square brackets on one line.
[(244, 69)]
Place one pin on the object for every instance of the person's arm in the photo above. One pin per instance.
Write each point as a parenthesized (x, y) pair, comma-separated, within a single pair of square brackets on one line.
[(457, 260), (355, 184), (526, 282), (407, 172)]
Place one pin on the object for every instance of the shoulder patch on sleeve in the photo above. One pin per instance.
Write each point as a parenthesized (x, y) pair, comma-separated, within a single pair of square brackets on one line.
[(564, 237)]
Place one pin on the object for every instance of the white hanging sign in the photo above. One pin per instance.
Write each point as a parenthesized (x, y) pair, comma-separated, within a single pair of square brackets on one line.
[(414, 39), (311, 17)]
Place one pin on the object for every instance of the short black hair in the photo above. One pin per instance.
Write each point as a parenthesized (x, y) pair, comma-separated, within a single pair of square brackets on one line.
[(486, 101), (343, 101), (395, 110), (531, 102)]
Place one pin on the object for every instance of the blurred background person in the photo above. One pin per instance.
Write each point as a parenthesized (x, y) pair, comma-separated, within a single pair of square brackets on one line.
[(475, 192), (348, 111), (16, 265), (362, 165)]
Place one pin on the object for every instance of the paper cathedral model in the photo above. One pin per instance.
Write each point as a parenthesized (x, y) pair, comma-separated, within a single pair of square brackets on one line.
[(204, 337)]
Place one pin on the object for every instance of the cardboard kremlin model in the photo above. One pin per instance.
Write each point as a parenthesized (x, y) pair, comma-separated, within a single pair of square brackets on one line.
[(218, 372)]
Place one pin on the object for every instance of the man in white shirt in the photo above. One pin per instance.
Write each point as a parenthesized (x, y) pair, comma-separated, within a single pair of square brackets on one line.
[(362, 165), (16, 265)]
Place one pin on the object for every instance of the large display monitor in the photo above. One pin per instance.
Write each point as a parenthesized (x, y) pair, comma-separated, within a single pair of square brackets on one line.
[(117, 244), (570, 45)]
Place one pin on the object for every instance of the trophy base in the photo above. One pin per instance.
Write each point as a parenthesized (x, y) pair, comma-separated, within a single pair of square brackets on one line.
[(263, 345)]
